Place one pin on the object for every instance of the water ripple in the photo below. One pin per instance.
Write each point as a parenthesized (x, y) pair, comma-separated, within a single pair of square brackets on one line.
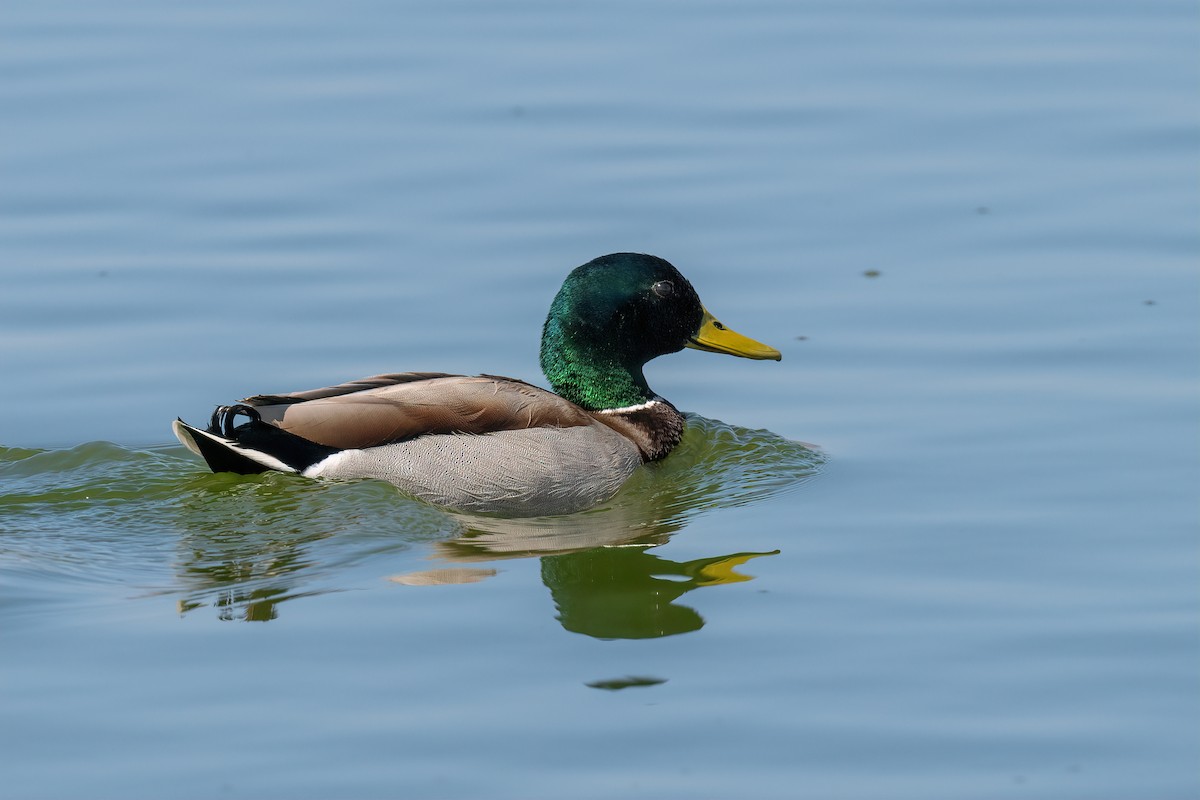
[(152, 522)]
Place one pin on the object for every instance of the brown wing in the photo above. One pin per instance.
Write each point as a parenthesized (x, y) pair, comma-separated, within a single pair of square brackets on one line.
[(392, 408)]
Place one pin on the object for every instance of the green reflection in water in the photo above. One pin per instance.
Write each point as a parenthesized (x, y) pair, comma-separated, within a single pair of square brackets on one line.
[(624, 592)]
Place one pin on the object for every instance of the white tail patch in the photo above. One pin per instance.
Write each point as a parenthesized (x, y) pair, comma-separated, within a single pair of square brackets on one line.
[(328, 465)]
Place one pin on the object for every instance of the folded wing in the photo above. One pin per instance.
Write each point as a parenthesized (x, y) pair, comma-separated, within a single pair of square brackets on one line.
[(384, 409)]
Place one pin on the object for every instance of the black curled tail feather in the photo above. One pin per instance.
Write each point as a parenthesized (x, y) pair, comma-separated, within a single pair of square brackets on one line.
[(223, 418)]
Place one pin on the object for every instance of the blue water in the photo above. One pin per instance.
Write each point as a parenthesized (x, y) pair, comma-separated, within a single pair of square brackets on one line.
[(947, 548)]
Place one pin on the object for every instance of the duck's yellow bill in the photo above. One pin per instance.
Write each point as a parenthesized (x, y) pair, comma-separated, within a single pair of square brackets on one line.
[(716, 338)]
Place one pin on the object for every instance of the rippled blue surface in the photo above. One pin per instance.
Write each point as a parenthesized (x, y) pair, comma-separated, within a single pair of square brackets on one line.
[(970, 228)]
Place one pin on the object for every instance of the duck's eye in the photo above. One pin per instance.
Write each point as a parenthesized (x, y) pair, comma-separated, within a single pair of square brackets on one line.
[(664, 288)]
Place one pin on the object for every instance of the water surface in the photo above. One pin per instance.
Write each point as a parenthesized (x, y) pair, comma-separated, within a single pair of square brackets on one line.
[(969, 228)]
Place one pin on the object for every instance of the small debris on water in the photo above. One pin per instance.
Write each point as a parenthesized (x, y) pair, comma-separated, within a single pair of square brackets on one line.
[(629, 681)]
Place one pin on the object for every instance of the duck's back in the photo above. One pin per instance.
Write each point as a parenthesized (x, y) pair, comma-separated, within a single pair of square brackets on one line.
[(384, 409)]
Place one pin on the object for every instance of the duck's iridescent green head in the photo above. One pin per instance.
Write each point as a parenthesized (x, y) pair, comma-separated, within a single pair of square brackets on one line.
[(617, 312)]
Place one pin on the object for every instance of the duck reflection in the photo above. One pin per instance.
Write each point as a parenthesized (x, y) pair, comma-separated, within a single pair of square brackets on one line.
[(254, 543), (609, 585), (617, 592), (628, 593)]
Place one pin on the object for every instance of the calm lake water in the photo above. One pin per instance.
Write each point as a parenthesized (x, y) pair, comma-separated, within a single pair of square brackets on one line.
[(949, 547)]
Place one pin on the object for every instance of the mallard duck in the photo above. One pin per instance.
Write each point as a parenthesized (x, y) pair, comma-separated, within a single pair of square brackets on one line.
[(488, 443)]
